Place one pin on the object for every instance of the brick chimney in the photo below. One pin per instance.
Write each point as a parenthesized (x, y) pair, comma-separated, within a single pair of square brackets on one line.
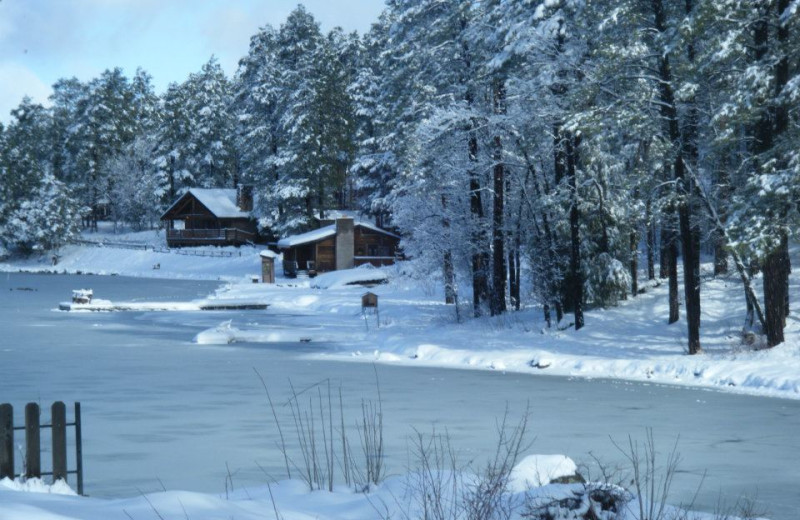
[(244, 197)]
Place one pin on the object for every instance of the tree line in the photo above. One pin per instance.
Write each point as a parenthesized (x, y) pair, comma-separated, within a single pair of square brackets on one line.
[(532, 148)]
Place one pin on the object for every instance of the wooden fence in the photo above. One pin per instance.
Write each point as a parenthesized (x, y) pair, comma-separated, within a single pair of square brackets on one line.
[(159, 249), (32, 464)]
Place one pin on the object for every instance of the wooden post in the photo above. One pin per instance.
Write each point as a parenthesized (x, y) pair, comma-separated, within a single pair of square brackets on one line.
[(78, 448), (6, 441), (33, 463), (59, 424)]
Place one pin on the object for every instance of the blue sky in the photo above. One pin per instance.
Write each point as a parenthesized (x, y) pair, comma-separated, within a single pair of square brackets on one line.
[(43, 40)]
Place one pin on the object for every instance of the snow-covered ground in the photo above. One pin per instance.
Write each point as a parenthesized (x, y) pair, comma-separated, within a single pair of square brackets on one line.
[(397, 497), (125, 254)]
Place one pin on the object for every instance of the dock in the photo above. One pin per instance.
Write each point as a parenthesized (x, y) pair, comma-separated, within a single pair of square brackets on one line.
[(202, 305)]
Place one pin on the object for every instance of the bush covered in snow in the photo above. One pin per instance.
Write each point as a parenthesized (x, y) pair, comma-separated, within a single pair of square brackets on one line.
[(607, 280)]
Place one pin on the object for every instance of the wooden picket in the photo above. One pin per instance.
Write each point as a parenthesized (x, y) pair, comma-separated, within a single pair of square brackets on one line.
[(33, 463)]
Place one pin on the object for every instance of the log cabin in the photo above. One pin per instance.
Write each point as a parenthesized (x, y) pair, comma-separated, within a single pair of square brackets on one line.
[(219, 217), (344, 244)]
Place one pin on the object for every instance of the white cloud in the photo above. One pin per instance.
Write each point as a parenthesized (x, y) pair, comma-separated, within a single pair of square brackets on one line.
[(16, 82)]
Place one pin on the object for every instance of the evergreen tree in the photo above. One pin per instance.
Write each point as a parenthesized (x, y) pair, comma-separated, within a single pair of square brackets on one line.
[(45, 221), (210, 154), (26, 157)]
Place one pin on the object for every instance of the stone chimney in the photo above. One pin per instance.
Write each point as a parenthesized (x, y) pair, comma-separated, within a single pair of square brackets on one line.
[(244, 197), (345, 243)]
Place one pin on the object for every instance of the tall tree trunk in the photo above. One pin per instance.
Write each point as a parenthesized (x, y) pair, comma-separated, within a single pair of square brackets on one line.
[(512, 277), (480, 254), (515, 244), (518, 276), (651, 241), (689, 241), (665, 238), (669, 261), (672, 272), (775, 295), (497, 303), (576, 274), (448, 271), (773, 123), (514, 268), (690, 230), (450, 295), (171, 178), (634, 243)]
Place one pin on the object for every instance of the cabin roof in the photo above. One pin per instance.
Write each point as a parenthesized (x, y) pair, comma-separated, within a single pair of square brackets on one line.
[(220, 202), (324, 232), (308, 237)]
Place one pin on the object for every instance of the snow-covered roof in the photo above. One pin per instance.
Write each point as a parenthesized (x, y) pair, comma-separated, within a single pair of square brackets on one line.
[(308, 237), (220, 202), (373, 227), (268, 254), (324, 232)]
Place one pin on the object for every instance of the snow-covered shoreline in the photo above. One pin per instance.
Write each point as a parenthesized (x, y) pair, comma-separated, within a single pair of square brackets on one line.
[(630, 342)]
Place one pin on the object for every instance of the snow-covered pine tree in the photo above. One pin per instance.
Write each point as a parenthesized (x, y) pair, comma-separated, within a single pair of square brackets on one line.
[(65, 100), (210, 154), (172, 147), (136, 191), (105, 124), (257, 95), (26, 157), (46, 220)]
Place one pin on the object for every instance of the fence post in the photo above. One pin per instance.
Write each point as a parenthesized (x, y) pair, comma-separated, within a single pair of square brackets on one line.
[(33, 463), (78, 447), (6, 441), (59, 424)]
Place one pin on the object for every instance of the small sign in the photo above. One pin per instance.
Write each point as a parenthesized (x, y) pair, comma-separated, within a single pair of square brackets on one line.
[(369, 300)]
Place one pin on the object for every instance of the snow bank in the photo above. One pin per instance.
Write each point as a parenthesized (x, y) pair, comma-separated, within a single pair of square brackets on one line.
[(363, 275), (540, 470), (36, 485), (290, 499), (239, 264)]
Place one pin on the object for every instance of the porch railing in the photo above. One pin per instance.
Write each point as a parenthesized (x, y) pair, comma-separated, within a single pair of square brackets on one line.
[(221, 235)]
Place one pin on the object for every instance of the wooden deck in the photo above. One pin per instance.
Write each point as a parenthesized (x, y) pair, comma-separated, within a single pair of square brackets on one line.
[(210, 237)]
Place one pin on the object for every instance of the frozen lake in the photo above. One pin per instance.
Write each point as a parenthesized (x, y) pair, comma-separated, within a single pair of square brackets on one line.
[(161, 410)]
